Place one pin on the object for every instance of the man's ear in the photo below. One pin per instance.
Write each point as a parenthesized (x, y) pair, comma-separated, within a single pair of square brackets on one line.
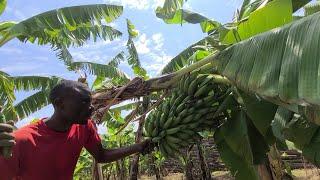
[(58, 103)]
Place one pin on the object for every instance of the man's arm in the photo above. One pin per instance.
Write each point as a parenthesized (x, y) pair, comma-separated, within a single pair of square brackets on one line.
[(109, 155), (102, 155)]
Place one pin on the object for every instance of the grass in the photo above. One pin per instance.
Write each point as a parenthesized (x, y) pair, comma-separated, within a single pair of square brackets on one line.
[(304, 174)]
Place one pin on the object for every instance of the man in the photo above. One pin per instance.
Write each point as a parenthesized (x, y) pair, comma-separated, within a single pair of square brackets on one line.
[(50, 148)]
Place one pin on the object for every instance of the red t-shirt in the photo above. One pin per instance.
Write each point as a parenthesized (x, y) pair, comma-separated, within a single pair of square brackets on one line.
[(43, 154)]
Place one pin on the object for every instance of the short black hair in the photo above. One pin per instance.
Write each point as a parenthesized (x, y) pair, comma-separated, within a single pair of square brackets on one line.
[(66, 86)]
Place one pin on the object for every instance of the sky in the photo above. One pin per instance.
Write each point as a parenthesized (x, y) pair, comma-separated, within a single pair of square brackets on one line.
[(156, 44)]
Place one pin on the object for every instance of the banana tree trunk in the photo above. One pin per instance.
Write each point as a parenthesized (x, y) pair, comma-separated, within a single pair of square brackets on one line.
[(189, 165), (263, 172), (277, 166), (203, 163), (123, 170), (140, 88), (134, 168), (135, 160), (118, 169), (153, 167), (96, 171)]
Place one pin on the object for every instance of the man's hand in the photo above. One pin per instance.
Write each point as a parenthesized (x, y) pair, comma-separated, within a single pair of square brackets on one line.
[(6, 138), (147, 146)]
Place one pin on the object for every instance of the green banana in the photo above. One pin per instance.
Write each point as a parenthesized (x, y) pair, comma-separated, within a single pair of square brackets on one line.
[(176, 121), (167, 148), (188, 131), (166, 108), (163, 151), (186, 99), (206, 80), (174, 147), (191, 110), (209, 99), (186, 85), (168, 123), (162, 133), (145, 133), (172, 99), (202, 90), (193, 125), (146, 123), (198, 116), (156, 139), (180, 108), (204, 110), (182, 135), (202, 77), (188, 119), (177, 102), (172, 139), (154, 132), (150, 126), (163, 119), (199, 103), (193, 87), (184, 113), (156, 121), (181, 82), (172, 130)]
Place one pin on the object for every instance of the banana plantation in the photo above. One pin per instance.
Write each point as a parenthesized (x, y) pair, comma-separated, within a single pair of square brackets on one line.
[(251, 86)]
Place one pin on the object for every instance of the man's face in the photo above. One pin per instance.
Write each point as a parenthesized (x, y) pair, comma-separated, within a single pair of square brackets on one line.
[(77, 106)]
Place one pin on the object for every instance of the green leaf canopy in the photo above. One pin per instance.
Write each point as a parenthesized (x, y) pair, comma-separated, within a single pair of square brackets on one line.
[(133, 58), (66, 26), (280, 65), (3, 4)]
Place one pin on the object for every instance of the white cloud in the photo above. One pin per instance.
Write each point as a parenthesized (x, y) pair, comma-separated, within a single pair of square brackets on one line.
[(142, 44), (145, 44), (162, 58), (90, 56), (158, 41), (133, 4), (138, 4), (112, 24), (159, 60), (157, 3), (41, 58), (99, 52), (186, 5), (21, 68), (234, 3), (16, 13), (10, 50), (98, 44)]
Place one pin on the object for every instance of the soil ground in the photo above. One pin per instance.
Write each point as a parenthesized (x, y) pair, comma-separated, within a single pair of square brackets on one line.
[(299, 174)]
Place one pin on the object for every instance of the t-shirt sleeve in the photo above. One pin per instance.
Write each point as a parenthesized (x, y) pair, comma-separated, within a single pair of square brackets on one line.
[(9, 167), (92, 137)]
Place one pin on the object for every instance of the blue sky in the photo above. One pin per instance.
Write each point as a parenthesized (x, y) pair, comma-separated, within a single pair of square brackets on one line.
[(157, 42)]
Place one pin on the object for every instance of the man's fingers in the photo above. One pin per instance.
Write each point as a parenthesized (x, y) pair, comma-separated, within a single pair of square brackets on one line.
[(6, 135), (6, 128), (7, 143)]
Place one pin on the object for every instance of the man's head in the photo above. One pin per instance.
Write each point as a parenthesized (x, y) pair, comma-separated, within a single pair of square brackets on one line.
[(72, 101)]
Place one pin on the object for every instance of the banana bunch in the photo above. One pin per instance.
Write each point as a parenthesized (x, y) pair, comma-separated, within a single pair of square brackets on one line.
[(175, 123)]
